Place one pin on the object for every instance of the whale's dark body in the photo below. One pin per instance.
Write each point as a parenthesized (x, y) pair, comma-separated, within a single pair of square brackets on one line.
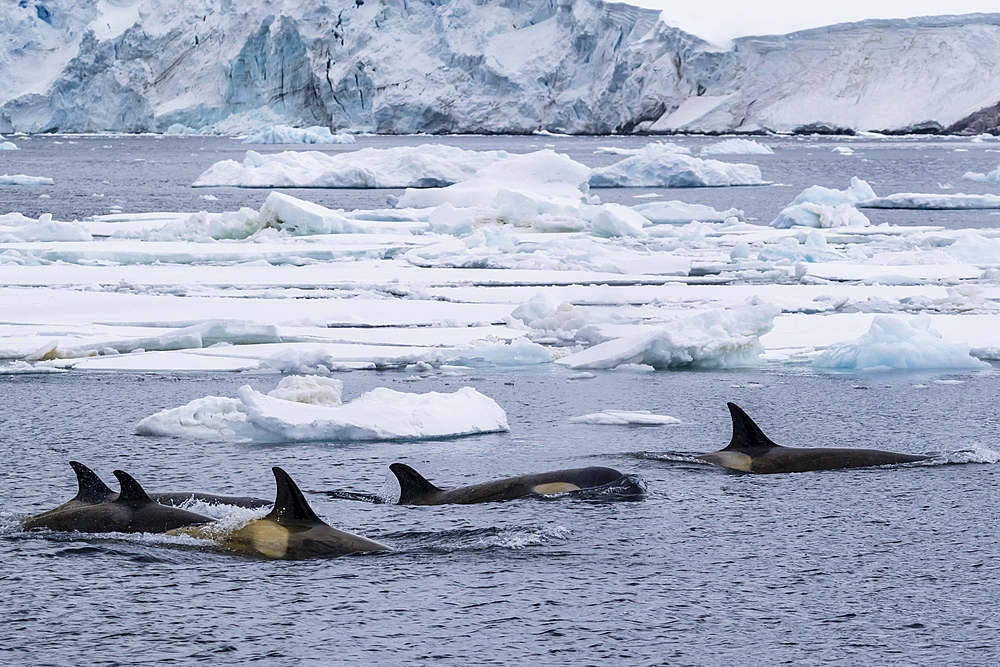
[(415, 490), (291, 531), (752, 451), (93, 491), (131, 511)]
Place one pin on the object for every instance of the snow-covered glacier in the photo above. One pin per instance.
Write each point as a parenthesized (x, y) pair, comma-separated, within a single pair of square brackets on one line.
[(405, 66)]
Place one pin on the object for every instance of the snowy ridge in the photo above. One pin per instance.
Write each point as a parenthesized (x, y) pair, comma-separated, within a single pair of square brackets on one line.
[(465, 66)]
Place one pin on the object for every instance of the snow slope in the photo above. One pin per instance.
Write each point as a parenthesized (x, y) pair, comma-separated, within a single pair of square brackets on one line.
[(405, 66)]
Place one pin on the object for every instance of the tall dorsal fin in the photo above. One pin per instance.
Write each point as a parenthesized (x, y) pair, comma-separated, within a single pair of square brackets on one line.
[(746, 434), (412, 485), (289, 503), (92, 489), (131, 494)]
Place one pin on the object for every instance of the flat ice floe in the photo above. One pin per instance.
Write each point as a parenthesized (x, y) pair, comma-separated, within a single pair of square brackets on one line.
[(656, 167), (625, 418), (310, 408), (23, 179), (518, 262), (934, 201)]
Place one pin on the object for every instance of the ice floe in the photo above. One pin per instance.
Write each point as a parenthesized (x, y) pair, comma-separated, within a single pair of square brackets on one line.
[(22, 179), (310, 408), (625, 418), (893, 343), (656, 167), (737, 146), (399, 167), (283, 134), (934, 201)]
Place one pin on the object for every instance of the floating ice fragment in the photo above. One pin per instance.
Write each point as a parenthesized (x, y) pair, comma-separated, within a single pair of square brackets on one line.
[(893, 343), (283, 134), (737, 146), (625, 418), (656, 168)]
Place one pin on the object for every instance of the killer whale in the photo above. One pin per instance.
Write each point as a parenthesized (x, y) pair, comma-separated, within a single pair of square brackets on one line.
[(291, 531), (130, 511), (414, 489), (91, 490), (752, 451)]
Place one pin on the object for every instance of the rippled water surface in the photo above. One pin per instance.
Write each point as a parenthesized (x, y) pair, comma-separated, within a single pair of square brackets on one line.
[(876, 566)]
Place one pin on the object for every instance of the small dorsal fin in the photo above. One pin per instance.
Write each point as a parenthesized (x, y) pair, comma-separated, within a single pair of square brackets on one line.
[(131, 494), (93, 490), (289, 503), (412, 485), (746, 434)]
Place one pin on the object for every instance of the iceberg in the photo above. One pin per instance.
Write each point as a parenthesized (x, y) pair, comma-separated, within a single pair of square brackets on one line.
[(310, 409), (15, 227), (894, 344), (737, 146), (858, 191), (400, 167), (283, 134), (809, 214), (655, 167), (7, 145), (713, 339)]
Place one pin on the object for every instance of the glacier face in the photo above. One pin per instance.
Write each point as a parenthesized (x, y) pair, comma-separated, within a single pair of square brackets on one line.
[(406, 66)]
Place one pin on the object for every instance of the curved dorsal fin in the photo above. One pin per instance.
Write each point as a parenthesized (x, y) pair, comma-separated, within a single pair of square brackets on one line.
[(412, 485), (93, 490), (289, 503), (746, 434), (132, 494)]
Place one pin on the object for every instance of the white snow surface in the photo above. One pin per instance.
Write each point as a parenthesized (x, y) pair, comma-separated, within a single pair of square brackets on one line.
[(309, 408), (283, 134)]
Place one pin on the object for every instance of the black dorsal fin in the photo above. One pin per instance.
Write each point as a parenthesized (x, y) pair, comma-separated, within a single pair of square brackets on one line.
[(412, 485), (93, 490), (289, 503), (747, 436), (132, 494)]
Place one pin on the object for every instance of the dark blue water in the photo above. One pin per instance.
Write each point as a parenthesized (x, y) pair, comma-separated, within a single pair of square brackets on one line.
[(897, 565), (883, 566)]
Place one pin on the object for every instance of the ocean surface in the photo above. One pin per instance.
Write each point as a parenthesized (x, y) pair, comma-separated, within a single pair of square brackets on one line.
[(896, 565)]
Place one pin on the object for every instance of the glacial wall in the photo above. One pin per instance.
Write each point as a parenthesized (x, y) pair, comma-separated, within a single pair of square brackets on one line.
[(405, 66)]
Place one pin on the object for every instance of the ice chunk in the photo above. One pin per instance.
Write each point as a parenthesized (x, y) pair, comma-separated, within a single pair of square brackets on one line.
[(715, 339), (15, 227), (309, 409), (808, 214), (617, 220), (935, 201), (737, 146), (21, 179), (989, 176), (311, 389), (380, 414), (283, 134), (681, 212), (662, 146), (893, 343), (624, 418), (858, 191), (400, 167), (7, 145), (657, 168)]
